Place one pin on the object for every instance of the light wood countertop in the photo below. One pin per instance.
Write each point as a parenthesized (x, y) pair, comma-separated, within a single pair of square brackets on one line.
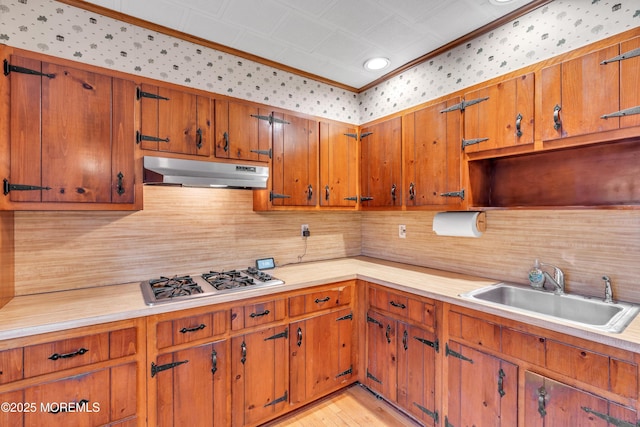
[(48, 312)]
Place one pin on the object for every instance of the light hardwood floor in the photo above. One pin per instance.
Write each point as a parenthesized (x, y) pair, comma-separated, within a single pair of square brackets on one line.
[(351, 407)]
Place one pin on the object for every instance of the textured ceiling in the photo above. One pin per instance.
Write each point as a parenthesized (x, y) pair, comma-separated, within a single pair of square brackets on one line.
[(332, 38)]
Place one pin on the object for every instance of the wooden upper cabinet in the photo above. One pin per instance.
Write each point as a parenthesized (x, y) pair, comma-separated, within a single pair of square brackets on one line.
[(578, 92), (630, 84), (432, 156), (71, 133), (380, 157), (338, 165), (500, 115), (242, 131), (295, 161), (174, 121)]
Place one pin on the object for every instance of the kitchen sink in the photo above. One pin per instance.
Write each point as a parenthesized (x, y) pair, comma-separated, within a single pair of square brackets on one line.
[(575, 309)]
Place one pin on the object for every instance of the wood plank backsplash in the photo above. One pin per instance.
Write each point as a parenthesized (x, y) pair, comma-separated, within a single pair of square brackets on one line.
[(180, 231), (586, 244)]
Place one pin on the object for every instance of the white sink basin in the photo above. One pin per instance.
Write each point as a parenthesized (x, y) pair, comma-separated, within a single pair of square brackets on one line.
[(574, 309)]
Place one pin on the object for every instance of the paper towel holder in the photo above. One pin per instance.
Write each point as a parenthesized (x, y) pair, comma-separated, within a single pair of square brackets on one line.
[(464, 223)]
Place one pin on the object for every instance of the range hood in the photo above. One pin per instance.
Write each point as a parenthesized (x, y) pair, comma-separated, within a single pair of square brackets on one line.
[(195, 173)]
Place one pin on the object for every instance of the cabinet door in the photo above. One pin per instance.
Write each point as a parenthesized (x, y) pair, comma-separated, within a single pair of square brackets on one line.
[(320, 354), (549, 403), (382, 355), (338, 165), (194, 392), (380, 156), (630, 83), (482, 388), (416, 372), (504, 118), (259, 375), (432, 156), (71, 134), (242, 131), (295, 161), (583, 90)]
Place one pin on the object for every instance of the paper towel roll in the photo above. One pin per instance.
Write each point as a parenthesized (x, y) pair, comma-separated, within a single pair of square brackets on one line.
[(460, 224)]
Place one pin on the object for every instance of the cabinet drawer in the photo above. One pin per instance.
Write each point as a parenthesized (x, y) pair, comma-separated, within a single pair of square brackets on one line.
[(593, 368), (64, 354), (476, 331), (187, 329), (523, 346), (257, 314), (320, 300), (418, 310), (10, 365)]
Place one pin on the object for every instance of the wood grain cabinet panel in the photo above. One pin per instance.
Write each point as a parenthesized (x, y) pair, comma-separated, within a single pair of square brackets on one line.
[(240, 133), (191, 328), (382, 359), (410, 308), (11, 365), (257, 314), (475, 331), (338, 165), (70, 116), (630, 83), (432, 156), (320, 350), (381, 164), (321, 299)]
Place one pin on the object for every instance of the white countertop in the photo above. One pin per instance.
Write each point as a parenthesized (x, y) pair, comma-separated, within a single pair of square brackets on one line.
[(35, 314)]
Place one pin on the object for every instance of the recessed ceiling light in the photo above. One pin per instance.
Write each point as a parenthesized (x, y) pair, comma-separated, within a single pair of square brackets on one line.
[(500, 2), (375, 64)]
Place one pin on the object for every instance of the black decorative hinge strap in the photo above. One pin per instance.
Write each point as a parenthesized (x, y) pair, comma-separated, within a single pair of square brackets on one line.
[(270, 119), (432, 414), (434, 344), (7, 187), (347, 372), (365, 134), (283, 334), (273, 195), (140, 137), (454, 194), (449, 352), (365, 198), (626, 55), (464, 104), (467, 142), (8, 68), (372, 320), (347, 317), (373, 378), (352, 198), (608, 418), (447, 423), (159, 368), (622, 113), (352, 135), (282, 398), (142, 94), (264, 152)]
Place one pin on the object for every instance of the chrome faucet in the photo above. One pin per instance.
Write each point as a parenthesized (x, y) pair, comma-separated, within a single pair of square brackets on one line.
[(557, 280), (608, 293)]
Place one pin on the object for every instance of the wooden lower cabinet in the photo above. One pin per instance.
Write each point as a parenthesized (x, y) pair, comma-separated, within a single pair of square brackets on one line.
[(259, 372), (320, 351), (190, 386), (482, 390), (550, 403), (401, 365)]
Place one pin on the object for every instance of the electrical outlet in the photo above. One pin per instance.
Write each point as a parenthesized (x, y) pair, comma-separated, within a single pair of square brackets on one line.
[(304, 230), (402, 231)]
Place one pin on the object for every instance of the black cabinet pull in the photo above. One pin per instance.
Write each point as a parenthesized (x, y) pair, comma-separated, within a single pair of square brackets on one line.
[(388, 334), (318, 300), (405, 336), (326, 192), (226, 141), (199, 138), (519, 125), (412, 191), (398, 304), (195, 328), (243, 352), (501, 376), (542, 393), (79, 352), (557, 122), (393, 192), (214, 362), (310, 192), (299, 337), (264, 313), (120, 185)]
